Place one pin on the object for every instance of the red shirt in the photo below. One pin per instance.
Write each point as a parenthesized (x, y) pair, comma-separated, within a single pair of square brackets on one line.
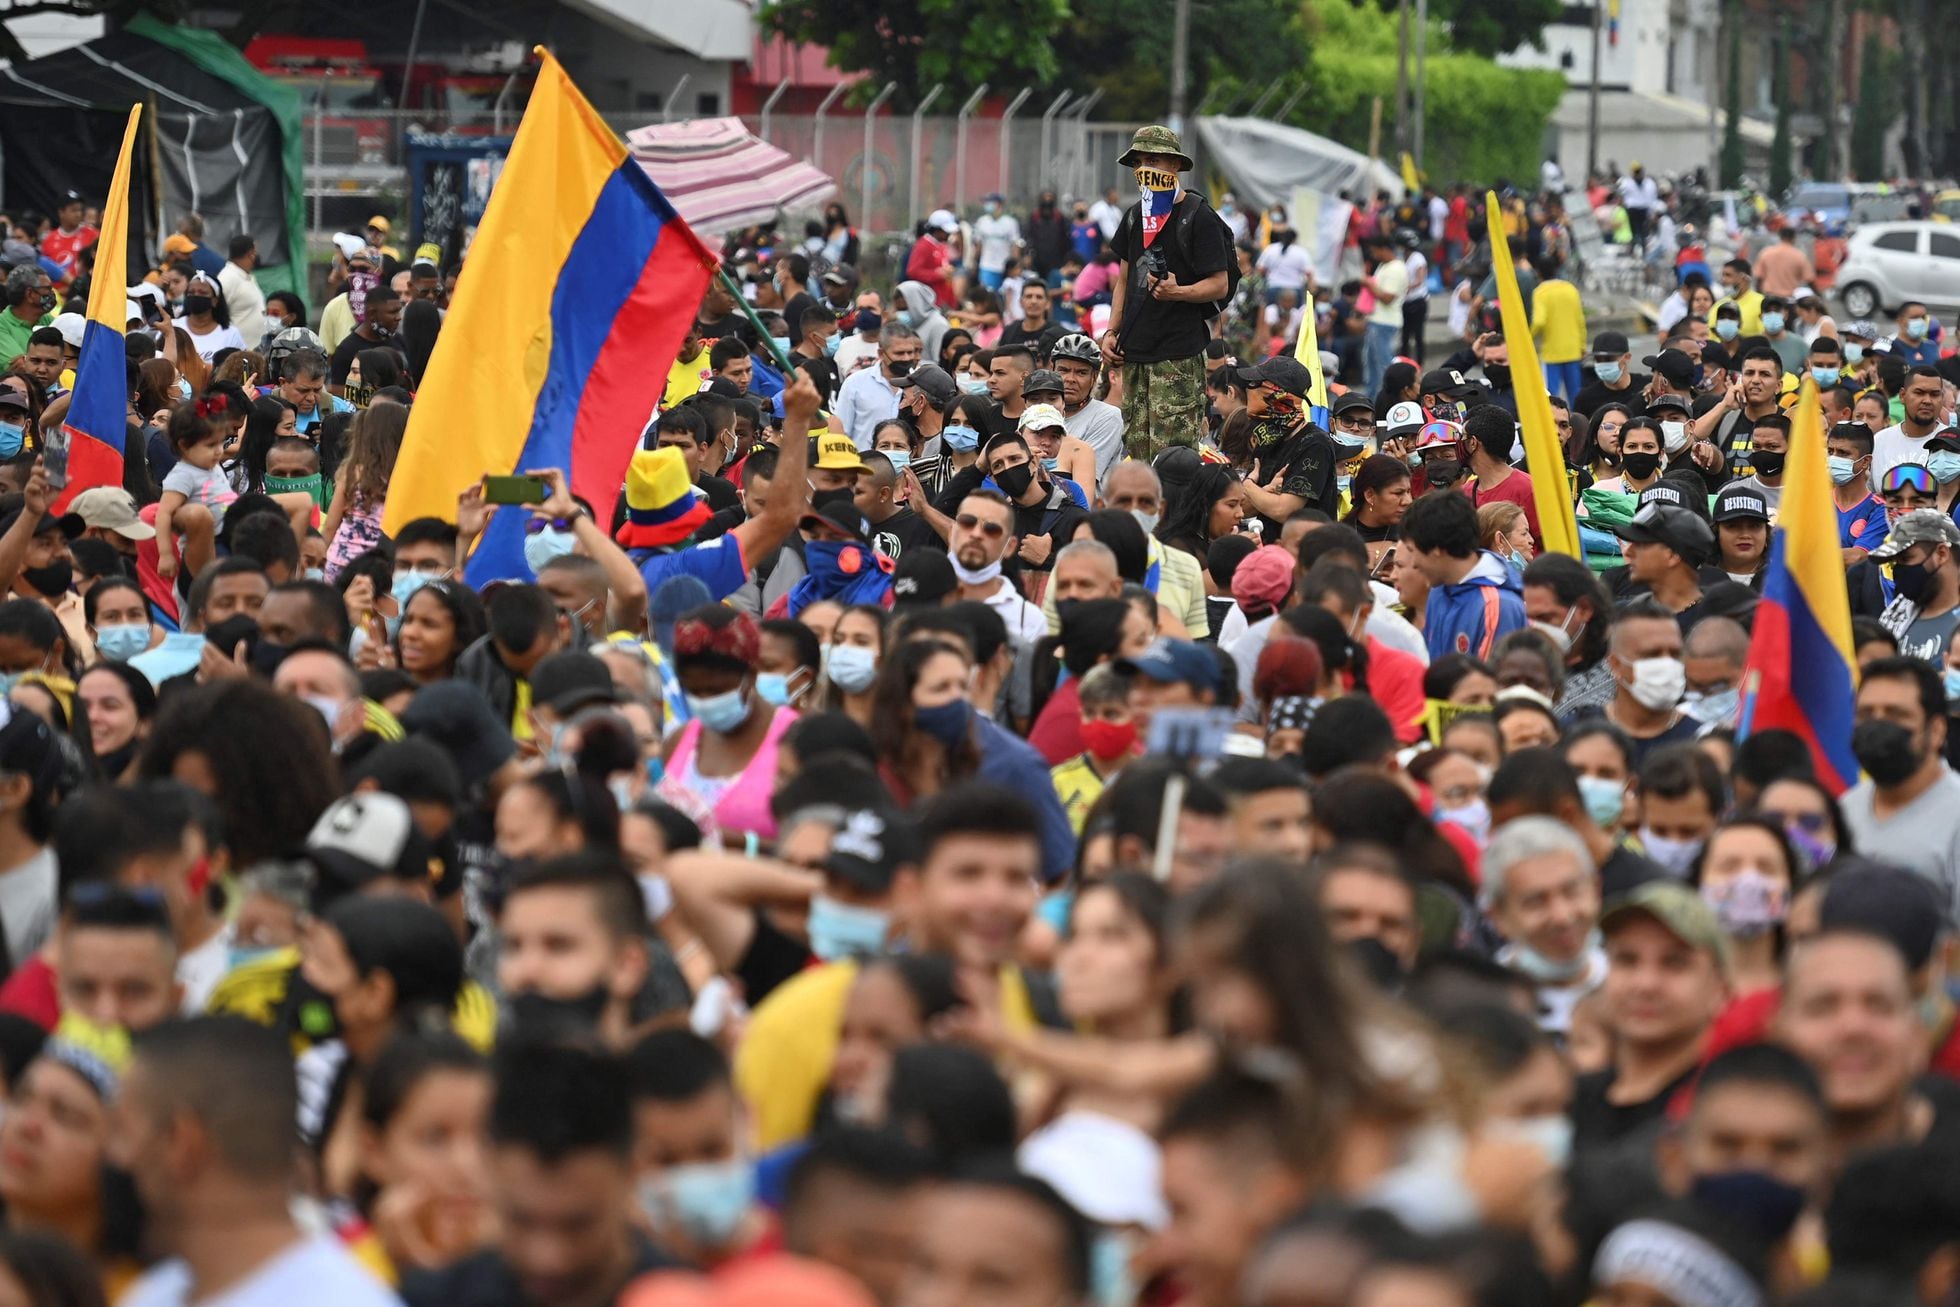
[(1456, 226), (1513, 489), (1057, 733), (1395, 682), (928, 264), (30, 993), (65, 247)]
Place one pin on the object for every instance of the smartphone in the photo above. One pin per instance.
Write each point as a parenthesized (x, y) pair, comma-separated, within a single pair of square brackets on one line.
[(1382, 568), (515, 490)]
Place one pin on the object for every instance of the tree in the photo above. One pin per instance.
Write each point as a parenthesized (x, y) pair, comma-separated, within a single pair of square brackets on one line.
[(1878, 106), (1732, 109), (1246, 45), (1780, 170), (1480, 28), (961, 43)]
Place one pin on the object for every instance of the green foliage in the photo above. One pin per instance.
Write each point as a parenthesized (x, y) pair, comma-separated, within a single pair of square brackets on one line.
[(961, 43), (1478, 27), (1242, 45), (1780, 169), (1483, 121), (1732, 109), (1878, 106)]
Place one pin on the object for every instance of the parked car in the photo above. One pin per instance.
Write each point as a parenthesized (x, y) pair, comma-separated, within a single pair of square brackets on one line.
[(1887, 263)]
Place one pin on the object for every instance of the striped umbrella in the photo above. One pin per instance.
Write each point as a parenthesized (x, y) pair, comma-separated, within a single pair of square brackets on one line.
[(721, 178)]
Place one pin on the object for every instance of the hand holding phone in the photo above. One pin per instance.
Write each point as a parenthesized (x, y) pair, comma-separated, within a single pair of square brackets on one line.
[(514, 490)]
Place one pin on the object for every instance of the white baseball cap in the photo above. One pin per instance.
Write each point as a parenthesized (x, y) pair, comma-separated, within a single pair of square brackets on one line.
[(943, 220), (71, 326), (1405, 416)]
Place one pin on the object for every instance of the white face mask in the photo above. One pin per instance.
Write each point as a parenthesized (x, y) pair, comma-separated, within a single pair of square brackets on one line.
[(1657, 683), (1676, 436), (1556, 633)]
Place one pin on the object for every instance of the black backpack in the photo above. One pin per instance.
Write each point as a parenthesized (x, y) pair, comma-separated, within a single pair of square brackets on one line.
[(1190, 211)]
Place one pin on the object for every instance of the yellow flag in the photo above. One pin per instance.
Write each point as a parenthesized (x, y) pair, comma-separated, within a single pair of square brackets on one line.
[(1544, 457), (1307, 351), (1410, 177)]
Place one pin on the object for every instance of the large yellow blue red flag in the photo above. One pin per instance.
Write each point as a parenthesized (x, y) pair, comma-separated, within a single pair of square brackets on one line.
[(1307, 351), (1551, 492), (579, 286), (1802, 673), (91, 451)]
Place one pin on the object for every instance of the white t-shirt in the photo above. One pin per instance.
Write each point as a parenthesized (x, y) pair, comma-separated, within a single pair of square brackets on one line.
[(213, 341), (1025, 623), (314, 1272), (852, 354), (1418, 270), (27, 905), (1892, 446), (1286, 268), (1393, 277), (200, 970), (996, 234), (1107, 216)]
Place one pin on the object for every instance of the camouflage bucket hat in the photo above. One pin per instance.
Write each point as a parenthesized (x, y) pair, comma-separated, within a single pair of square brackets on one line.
[(1156, 140)]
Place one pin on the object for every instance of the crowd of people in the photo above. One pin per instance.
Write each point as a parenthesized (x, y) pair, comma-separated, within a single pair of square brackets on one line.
[(999, 811)]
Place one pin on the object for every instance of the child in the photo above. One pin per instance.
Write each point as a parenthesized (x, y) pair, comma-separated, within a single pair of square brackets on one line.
[(1109, 739), (353, 524), (196, 492)]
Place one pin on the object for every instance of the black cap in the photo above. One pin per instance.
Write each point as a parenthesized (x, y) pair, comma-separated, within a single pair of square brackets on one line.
[(931, 378), (458, 716), (569, 680), (1679, 529), (1679, 487), (1741, 502), (842, 273), (1714, 356), (1352, 401), (1282, 370), (11, 398), (870, 847), (1677, 367), (1730, 599), (1042, 381), (836, 509), (10, 509), (1887, 901), (1611, 343), (922, 578), (1447, 381), (1669, 399)]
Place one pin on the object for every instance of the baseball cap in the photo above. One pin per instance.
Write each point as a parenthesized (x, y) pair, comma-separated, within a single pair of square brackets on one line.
[(10, 398), (1673, 364), (569, 680), (1040, 417), (837, 452), (1677, 909), (1887, 901), (1741, 503), (108, 508), (349, 244), (934, 381), (1679, 529), (1922, 526), (1802, 293), (1282, 370), (380, 224), (1612, 344), (1668, 399), (1042, 381), (457, 716), (943, 220), (1447, 381), (842, 274), (71, 326), (1861, 329), (1265, 577), (10, 510), (1405, 419), (1714, 356), (365, 837), (923, 578), (1172, 662), (838, 510), (1354, 401), (870, 847)]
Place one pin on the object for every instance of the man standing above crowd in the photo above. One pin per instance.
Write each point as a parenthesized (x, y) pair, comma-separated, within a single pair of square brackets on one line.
[(1165, 296)]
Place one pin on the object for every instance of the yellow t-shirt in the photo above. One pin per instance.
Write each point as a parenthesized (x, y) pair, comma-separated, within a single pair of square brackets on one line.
[(1751, 305), (1078, 786), (1558, 320), (685, 378)]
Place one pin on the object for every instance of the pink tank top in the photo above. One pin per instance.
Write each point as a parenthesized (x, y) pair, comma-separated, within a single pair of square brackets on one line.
[(743, 803)]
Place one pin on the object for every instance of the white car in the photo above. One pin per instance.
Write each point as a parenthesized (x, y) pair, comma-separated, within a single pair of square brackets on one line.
[(1888, 263)]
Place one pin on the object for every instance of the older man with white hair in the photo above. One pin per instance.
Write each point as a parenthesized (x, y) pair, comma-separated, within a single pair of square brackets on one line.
[(1541, 891)]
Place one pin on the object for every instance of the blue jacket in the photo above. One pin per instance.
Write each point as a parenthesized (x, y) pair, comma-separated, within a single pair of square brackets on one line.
[(1012, 763), (1469, 616)]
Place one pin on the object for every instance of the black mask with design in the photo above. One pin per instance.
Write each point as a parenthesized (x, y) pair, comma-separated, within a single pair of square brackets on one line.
[(1767, 462)]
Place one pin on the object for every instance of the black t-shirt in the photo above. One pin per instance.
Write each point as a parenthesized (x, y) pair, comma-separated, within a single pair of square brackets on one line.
[(1153, 330), (1625, 871), (343, 355), (822, 371), (1596, 394), (772, 958), (733, 325), (720, 494), (1041, 342), (1596, 1122), (901, 531), (1308, 460), (1055, 517)]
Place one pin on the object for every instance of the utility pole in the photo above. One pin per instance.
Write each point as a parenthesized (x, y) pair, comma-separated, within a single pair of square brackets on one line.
[(1592, 94), (1180, 56), (1422, 59), (1402, 77)]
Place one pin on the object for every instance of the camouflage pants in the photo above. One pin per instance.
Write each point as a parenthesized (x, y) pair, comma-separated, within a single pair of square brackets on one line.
[(1163, 405)]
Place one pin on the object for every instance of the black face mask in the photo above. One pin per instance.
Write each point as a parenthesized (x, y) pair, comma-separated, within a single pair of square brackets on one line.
[(266, 657), (1886, 750), (52, 580), (197, 304), (535, 1013), (227, 635), (1441, 471), (1376, 962), (1014, 481), (1640, 464), (899, 368), (115, 762), (1498, 374), (1767, 463), (1911, 580)]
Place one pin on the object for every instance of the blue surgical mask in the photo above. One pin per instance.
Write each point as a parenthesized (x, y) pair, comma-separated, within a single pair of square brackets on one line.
[(1916, 328), (1051, 463), (406, 584), (1953, 684), (1716, 709), (961, 440), (900, 458), (851, 667), (974, 385), (183, 388), (1854, 353), (844, 930), (121, 642), (773, 688), (8, 680), (543, 546), (1727, 328), (1944, 466), (1609, 372), (781, 343), (314, 574), (1675, 857), (238, 957), (905, 316), (1772, 323), (1824, 376), (704, 1202), (720, 713), (830, 345), (12, 436), (1605, 799), (1842, 469), (1110, 1281)]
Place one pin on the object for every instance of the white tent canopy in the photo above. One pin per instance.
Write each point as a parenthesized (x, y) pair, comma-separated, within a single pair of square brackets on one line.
[(1266, 162)]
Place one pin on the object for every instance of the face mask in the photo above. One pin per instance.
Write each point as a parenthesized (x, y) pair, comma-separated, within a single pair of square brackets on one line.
[(704, 1202), (973, 385), (266, 657), (1440, 471), (1952, 681), (1608, 372), (1014, 481), (1886, 750), (961, 440), (900, 458), (314, 574), (1944, 466), (1728, 328), (12, 435), (1109, 740), (54, 579), (1110, 1282), (121, 642), (1473, 817), (1825, 377), (1772, 323), (833, 564), (329, 709), (1842, 469), (851, 668), (1552, 1135), (197, 304), (1675, 857), (781, 343), (1148, 521), (1051, 463), (905, 316), (1749, 905), (845, 930), (1605, 799), (830, 344), (1499, 375), (1674, 437), (1532, 963), (313, 485), (1764, 1204), (1557, 633), (773, 687), (1657, 683), (406, 584), (976, 575), (1854, 353), (1767, 462), (543, 546), (1717, 709), (183, 388), (720, 713), (1916, 328), (947, 723), (1909, 579), (1641, 464), (534, 1012)]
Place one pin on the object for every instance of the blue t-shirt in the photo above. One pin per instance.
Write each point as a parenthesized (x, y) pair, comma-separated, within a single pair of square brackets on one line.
[(1863, 524), (717, 563)]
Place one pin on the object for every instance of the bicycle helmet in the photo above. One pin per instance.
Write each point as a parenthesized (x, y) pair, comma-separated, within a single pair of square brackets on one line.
[(1078, 347), (287, 343)]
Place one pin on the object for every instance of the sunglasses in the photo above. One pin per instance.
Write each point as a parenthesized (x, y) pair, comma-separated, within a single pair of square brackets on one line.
[(1903, 475), (991, 530), (534, 525)]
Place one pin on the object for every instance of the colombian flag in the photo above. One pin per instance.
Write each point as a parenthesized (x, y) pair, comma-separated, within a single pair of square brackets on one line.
[(1802, 674), (98, 414), (1544, 457), (580, 284)]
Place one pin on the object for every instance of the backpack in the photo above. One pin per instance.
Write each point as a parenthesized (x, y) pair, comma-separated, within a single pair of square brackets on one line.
[(1186, 235)]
